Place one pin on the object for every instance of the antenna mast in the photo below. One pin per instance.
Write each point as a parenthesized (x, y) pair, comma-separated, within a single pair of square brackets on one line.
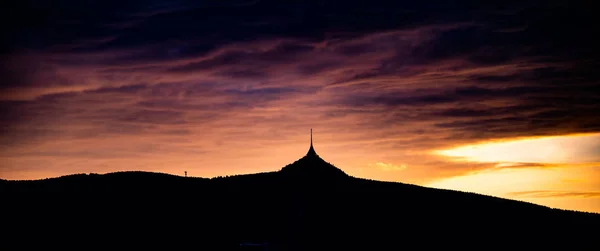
[(311, 150)]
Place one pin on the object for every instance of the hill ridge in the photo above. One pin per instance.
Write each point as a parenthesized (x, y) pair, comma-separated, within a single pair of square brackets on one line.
[(250, 175), (297, 207)]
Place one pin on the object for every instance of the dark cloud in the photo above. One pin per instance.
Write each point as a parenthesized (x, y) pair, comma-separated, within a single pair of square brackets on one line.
[(135, 88), (315, 68), (402, 99), (430, 97), (246, 62), (483, 112), (208, 24), (193, 27), (154, 117), (275, 92), (537, 124)]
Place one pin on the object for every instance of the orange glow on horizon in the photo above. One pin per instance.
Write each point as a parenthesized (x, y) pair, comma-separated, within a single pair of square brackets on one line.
[(558, 171), (569, 186)]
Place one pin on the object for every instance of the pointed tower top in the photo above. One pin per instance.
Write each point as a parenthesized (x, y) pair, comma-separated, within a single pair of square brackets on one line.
[(311, 150)]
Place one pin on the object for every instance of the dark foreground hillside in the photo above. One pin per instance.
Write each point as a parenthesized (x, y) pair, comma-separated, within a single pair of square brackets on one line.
[(308, 205)]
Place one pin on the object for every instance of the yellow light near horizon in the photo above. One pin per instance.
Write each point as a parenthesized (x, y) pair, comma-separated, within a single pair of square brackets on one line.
[(508, 183), (500, 181), (517, 170), (579, 148)]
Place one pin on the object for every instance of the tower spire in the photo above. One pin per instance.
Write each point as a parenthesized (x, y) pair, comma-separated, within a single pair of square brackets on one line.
[(311, 150)]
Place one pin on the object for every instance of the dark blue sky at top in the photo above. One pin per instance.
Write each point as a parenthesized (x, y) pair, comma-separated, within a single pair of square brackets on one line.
[(195, 27)]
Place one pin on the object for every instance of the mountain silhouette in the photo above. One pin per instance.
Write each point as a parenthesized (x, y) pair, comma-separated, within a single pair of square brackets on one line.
[(307, 205), (312, 168)]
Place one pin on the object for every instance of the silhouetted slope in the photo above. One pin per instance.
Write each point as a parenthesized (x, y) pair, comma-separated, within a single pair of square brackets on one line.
[(311, 168), (307, 205)]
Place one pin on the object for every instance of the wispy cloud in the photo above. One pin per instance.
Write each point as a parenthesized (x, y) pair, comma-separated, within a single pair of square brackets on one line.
[(552, 194), (520, 165), (387, 166), (563, 149)]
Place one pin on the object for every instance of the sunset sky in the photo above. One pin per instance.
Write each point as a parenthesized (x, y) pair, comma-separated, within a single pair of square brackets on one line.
[(493, 98)]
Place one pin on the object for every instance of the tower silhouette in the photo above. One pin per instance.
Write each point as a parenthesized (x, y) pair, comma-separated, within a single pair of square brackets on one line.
[(312, 168)]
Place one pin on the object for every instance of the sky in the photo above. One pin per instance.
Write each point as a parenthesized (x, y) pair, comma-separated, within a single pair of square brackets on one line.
[(498, 98)]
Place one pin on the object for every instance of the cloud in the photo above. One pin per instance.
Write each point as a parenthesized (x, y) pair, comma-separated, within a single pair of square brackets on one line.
[(520, 165), (553, 194), (388, 167), (564, 149)]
